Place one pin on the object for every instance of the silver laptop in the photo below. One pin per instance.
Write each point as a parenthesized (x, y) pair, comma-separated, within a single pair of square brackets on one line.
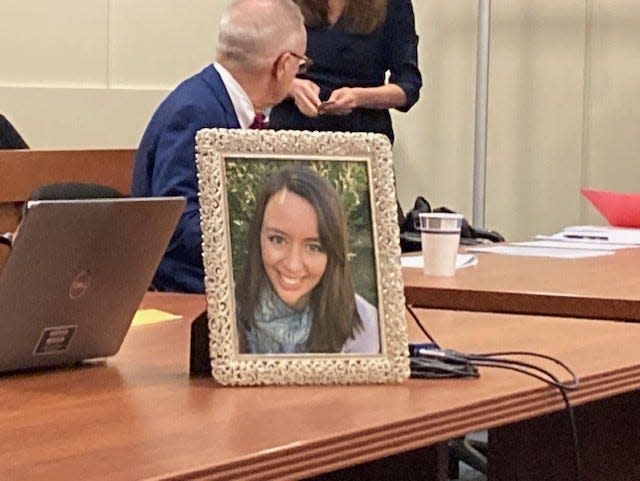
[(77, 271)]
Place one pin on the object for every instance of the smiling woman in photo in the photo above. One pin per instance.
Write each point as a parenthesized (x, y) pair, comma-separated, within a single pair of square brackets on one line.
[(296, 293)]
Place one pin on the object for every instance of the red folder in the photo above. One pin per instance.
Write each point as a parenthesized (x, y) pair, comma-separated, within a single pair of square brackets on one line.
[(620, 210)]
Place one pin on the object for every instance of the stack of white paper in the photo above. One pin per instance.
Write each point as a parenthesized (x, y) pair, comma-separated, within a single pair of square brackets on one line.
[(462, 260), (572, 243), (623, 236), (535, 249)]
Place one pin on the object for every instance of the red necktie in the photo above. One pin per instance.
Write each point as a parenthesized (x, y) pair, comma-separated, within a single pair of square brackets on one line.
[(259, 122)]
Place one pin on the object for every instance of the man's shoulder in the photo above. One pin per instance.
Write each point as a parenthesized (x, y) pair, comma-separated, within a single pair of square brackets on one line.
[(201, 95), (205, 86)]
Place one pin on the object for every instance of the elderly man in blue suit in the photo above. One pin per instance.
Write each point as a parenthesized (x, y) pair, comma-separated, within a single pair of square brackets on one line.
[(261, 46)]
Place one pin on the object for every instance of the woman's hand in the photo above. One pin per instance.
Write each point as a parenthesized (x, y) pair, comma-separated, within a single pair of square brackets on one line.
[(306, 95), (342, 101)]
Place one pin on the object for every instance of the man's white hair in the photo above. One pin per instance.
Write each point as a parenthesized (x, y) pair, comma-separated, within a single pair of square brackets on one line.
[(254, 32)]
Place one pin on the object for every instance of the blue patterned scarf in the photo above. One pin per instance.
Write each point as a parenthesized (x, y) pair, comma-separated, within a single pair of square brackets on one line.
[(278, 328)]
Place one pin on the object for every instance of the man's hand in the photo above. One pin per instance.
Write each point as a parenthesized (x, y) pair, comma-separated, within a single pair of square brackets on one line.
[(306, 95)]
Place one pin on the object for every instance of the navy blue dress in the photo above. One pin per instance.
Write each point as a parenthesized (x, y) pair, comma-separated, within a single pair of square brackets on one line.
[(345, 59)]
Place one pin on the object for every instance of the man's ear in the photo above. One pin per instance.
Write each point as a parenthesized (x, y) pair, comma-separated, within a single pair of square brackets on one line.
[(279, 65)]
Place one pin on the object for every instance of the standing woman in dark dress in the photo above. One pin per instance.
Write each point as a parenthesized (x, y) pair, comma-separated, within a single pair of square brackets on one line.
[(353, 44)]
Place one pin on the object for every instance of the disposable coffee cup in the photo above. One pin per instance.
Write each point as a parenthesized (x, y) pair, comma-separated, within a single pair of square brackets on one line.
[(440, 235)]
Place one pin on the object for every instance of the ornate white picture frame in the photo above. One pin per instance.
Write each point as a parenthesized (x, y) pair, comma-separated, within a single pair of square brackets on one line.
[(234, 168)]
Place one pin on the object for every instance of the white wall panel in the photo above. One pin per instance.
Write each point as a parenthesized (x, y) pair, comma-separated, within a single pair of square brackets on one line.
[(69, 118), (53, 43), (535, 113), (534, 154), (158, 43), (613, 147), (434, 140)]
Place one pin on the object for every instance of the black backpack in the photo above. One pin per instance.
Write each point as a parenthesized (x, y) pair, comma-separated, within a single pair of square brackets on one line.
[(410, 228)]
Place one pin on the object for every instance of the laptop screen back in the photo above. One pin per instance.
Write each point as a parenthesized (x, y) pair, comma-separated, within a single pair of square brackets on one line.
[(76, 275)]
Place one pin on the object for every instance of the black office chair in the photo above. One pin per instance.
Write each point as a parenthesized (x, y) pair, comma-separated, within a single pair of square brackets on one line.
[(70, 191), (62, 191), (59, 191), (9, 136), (469, 451)]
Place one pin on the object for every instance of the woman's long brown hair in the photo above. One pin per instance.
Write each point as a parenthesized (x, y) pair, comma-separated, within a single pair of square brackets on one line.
[(335, 316), (362, 16)]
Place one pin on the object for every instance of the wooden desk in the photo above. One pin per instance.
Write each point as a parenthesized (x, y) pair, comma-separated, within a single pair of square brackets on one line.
[(605, 287), (139, 415)]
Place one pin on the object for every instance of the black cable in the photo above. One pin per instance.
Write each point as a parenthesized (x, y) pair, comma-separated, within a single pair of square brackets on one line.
[(422, 328), (532, 354), (460, 364), (481, 359), (500, 364), (575, 383), (426, 368)]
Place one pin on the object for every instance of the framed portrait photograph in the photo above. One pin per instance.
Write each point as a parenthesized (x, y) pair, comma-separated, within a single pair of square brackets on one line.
[(301, 253)]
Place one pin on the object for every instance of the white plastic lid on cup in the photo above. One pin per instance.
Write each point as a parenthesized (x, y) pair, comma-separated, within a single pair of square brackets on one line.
[(442, 222)]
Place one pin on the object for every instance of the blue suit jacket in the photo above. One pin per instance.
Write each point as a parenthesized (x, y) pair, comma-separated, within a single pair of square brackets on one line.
[(165, 166)]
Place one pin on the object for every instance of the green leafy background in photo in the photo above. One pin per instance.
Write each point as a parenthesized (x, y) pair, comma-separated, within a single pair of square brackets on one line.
[(245, 178)]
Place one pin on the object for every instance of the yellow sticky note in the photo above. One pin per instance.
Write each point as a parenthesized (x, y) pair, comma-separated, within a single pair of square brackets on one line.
[(151, 316)]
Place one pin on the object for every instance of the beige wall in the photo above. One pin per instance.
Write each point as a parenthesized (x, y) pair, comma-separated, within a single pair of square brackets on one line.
[(564, 110), (89, 73), (564, 90), (612, 120)]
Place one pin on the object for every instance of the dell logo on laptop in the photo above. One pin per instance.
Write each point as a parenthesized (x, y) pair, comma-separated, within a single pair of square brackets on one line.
[(80, 284)]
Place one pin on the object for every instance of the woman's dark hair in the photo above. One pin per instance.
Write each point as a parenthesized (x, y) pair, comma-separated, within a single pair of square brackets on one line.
[(332, 299), (362, 16)]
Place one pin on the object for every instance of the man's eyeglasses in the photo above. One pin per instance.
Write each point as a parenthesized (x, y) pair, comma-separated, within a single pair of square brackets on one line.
[(305, 62)]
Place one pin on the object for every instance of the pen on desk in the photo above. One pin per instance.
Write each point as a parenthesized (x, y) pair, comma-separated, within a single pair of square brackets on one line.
[(587, 237)]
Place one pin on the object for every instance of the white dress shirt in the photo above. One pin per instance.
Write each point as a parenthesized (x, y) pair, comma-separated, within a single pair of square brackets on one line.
[(239, 98)]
